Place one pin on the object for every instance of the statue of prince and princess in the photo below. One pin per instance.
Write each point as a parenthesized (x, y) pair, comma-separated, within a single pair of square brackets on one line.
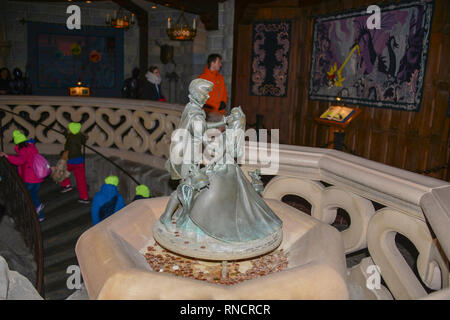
[(215, 200)]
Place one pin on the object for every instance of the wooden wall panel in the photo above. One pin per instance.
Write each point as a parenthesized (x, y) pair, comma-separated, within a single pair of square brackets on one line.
[(279, 113), (414, 141)]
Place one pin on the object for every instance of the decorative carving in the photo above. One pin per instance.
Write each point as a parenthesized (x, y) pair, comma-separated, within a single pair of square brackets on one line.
[(142, 131), (359, 209), (310, 190), (375, 230), (432, 267)]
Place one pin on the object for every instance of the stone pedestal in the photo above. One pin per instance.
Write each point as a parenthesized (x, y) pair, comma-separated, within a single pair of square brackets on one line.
[(113, 266)]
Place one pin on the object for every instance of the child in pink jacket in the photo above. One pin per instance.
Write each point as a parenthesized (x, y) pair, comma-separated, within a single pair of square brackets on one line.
[(26, 150)]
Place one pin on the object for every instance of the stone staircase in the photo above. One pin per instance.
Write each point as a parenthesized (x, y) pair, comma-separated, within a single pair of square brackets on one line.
[(65, 220)]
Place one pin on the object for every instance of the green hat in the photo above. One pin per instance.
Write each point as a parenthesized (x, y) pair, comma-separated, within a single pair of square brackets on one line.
[(142, 190), (114, 180), (74, 127), (19, 137)]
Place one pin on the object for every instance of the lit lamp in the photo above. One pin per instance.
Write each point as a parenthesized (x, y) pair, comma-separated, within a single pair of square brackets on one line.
[(79, 90), (119, 20), (181, 31)]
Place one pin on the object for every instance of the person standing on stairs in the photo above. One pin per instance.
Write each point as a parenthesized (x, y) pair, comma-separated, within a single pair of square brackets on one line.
[(26, 150), (75, 161), (107, 201)]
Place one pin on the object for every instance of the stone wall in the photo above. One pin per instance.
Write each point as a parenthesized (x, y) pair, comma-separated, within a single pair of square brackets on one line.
[(13, 249), (190, 56), (91, 14), (14, 286)]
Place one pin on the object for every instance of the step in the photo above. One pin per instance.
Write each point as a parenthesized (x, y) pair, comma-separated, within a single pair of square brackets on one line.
[(83, 218), (61, 265), (57, 277), (57, 202), (71, 212), (61, 247), (59, 291), (58, 271), (58, 237), (51, 260), (48, 187)]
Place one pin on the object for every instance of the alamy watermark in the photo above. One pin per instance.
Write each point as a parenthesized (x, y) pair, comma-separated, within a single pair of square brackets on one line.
[(212, 146), (74, 20), (74, 280), (373, 282), (374, 21)]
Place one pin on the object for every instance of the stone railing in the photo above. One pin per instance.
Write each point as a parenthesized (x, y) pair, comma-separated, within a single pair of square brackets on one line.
[(134, 130), (411, 203)]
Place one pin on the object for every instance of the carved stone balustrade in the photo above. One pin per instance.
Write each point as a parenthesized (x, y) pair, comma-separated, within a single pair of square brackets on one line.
[(135, 130), (415, 206)]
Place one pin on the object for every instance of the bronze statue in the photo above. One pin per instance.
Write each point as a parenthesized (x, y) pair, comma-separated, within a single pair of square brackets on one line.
[(214, 206)]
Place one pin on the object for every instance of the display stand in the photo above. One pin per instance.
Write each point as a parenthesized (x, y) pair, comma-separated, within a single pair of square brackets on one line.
[(337, 127)]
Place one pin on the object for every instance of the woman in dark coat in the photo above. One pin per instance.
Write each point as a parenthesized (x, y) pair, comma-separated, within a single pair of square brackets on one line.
[(5, 79), (151, 87)]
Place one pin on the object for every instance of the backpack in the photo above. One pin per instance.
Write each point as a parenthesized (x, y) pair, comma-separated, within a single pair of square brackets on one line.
[(108, 208), (41, 166)]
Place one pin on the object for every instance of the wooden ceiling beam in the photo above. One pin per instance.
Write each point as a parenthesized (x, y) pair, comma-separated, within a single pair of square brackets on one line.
[(208, 10), (246, 10)]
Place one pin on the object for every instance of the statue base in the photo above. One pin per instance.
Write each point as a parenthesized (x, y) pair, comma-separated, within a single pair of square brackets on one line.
[(191, 244)]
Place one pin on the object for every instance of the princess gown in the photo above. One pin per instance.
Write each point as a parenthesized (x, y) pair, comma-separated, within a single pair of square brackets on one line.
[(231, 210)]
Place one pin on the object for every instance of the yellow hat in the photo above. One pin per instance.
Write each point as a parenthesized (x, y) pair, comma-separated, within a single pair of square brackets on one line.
[(114, 180), (142, 190), (74, 127), (19, 137)]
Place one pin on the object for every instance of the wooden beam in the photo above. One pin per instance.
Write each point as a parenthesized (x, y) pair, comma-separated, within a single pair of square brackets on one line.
[(246, 10), (208, 10)]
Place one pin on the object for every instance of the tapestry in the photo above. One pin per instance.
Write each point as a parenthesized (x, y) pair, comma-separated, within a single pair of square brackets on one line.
[(270, 58), (363, 65), (59, 58)]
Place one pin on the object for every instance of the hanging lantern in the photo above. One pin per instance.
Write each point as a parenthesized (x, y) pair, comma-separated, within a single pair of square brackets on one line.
[(119, 20), (181, 31)]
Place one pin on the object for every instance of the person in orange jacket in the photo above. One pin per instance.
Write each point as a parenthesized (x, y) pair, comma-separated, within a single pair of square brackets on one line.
[(218, 97)]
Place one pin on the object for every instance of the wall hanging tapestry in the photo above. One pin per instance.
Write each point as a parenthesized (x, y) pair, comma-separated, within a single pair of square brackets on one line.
[(59, 58), (382, 67), (271, 43)]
